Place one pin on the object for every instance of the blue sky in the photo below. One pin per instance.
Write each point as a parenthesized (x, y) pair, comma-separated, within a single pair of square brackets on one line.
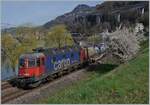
[(36, 12)]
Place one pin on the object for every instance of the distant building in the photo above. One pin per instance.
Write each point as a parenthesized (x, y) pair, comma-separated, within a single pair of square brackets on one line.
[(82, 43), (139, 27)]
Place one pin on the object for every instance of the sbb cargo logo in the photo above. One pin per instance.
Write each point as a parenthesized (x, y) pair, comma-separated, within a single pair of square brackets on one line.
[(61, 64)]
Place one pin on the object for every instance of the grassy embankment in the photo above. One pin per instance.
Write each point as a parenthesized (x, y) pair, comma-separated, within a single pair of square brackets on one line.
[(127, 83)]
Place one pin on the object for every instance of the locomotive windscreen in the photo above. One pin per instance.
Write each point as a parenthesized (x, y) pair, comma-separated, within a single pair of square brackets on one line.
[(28, 62), (21, 62), (31, 63)]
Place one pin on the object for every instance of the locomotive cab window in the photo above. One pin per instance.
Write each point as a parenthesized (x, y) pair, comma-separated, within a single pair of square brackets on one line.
[(21, 63), (38, 61), (31, 62)]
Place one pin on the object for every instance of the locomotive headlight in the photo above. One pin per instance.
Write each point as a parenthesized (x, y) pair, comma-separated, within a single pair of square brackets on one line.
[(26, 74)]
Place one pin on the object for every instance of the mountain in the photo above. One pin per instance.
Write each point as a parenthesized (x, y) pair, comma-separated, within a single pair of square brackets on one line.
[(81, 9), (85, 19)]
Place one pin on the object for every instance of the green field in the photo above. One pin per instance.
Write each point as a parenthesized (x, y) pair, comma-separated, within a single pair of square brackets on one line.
[(127, 83)]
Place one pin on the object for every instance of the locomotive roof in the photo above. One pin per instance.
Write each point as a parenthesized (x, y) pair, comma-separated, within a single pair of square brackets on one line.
[(31, 55), (53, 51)]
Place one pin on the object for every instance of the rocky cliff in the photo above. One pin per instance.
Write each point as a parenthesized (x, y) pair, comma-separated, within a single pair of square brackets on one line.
[(86, 20)]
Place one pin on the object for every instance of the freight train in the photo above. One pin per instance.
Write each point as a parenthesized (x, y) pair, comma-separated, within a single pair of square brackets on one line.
[(42, 63)]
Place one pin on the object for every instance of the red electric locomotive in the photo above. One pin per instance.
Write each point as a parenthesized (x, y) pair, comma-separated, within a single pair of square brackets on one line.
[(37, 66), (31, 68)]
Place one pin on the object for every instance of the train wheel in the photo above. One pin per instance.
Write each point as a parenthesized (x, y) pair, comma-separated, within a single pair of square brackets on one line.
[(33, 85), (21, 85)]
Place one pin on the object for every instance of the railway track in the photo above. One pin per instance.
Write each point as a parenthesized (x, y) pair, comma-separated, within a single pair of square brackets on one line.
[(15, 92), (13, 95), (5, 85), (10, 93)]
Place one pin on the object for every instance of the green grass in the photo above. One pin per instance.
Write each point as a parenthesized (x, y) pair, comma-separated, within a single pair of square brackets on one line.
[(128, 83), (144, 46)]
